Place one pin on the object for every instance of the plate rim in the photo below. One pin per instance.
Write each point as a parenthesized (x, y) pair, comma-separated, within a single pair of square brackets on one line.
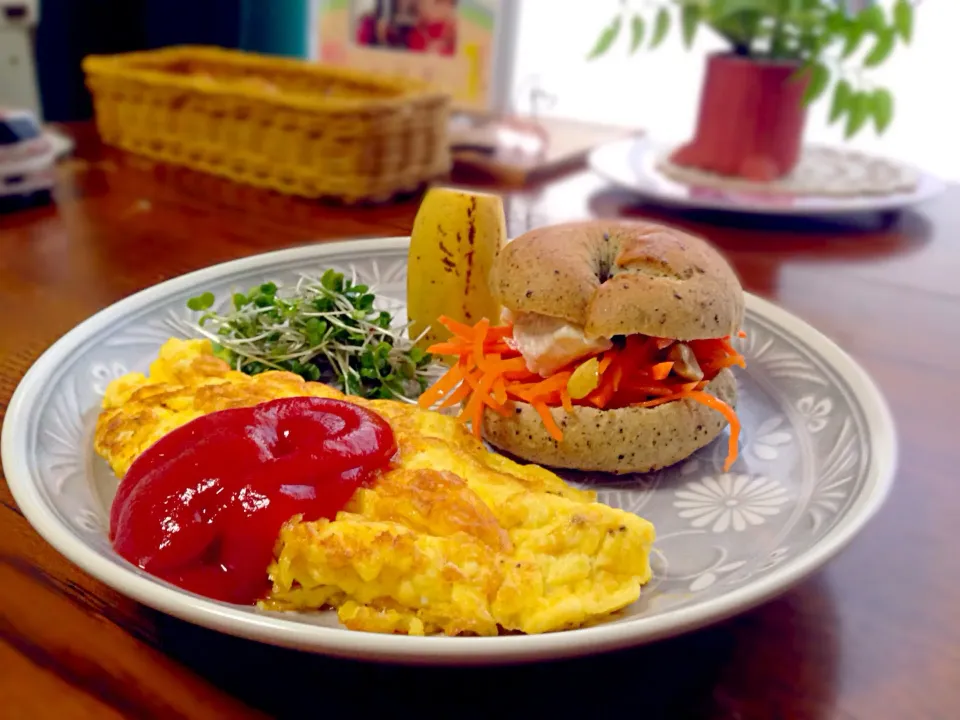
[(935, 187), (340, 642)]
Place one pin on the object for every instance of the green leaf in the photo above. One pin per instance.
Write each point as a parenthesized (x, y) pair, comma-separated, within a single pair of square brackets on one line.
[(853, 36), (332, 280), (903, 19), (314, 329), (836, 23), (719, 9), (201, 302), (637, 28), (661, 25), (881, 49), (690, 16), (842, 93), (881, 108), (873, 19), (606, 38), (858, 114), (818, 77)]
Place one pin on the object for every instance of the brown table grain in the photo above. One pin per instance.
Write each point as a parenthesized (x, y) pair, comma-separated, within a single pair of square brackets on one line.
[(876, 634)]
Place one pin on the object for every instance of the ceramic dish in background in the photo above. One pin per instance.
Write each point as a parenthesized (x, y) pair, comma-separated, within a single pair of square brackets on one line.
[(632, 164), (27, 155), (817, 460)]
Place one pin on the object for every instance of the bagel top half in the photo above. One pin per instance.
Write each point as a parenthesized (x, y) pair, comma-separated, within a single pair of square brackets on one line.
[(621, 278)]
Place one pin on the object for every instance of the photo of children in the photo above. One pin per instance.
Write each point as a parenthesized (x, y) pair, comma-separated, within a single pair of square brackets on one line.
[(419, 26)]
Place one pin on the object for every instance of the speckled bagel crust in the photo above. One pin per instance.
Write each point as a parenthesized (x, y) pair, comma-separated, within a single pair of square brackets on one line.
[(614, 441), (616, 277)]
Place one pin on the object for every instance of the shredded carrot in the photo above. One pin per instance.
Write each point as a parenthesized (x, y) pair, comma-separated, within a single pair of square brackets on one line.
[(488, 360), (476, 417), (552, 384), (489, 372), (548, 422), (479, 399), (479, 335), (497, 347), (501, 332), (520, 390), (617, 377), (654, 390), (498, 409), (442, 387), (511, 365), (457, 346), (482, 385), (660, 371), (469, 381), (605, 363), (714, 403), (662, 400), (471, 408), (728, 361), (451, 347), (725, 344), (730, 414), (457, 396), (457, 328), (500, 390), (602, 397)]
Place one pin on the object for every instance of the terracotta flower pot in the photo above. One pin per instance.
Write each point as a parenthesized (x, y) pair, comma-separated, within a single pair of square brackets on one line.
[(751, 119)]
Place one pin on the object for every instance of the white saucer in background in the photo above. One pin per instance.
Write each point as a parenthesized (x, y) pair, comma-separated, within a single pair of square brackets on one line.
[(633, 164)]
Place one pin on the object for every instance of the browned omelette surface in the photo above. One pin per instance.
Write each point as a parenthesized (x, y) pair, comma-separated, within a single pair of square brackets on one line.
[(453, 540)]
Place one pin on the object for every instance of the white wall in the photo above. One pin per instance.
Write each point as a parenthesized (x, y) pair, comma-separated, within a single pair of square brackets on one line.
[(658, 90)]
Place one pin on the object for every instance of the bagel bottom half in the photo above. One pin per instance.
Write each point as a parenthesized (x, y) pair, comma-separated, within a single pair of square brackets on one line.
[(624, 440)]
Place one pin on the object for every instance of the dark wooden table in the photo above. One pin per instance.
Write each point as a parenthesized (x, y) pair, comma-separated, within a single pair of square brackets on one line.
[(876, 634)]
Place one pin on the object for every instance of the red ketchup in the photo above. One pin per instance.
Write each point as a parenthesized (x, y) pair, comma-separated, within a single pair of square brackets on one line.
[(203, 506)]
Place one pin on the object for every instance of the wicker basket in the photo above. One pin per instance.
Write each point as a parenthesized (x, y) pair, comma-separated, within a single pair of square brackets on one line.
[(296, 127)]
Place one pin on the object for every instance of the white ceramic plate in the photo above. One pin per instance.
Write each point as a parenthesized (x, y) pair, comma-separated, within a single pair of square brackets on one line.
[(632, 164), (817, 461)]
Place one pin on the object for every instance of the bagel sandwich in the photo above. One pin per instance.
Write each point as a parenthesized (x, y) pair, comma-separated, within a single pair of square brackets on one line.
[(613, 351)]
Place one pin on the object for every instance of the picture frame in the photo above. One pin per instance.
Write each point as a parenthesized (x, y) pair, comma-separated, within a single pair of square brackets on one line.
[(465, 47)]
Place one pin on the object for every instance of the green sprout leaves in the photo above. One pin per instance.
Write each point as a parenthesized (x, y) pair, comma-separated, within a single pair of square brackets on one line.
[(326, 328), (201, 302)]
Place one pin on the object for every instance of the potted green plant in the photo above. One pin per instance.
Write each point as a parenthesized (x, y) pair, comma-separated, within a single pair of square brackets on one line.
[(783, 56)]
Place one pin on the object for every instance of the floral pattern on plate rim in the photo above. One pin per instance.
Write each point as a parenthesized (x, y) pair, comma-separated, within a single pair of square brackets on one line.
[(802, 459)]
